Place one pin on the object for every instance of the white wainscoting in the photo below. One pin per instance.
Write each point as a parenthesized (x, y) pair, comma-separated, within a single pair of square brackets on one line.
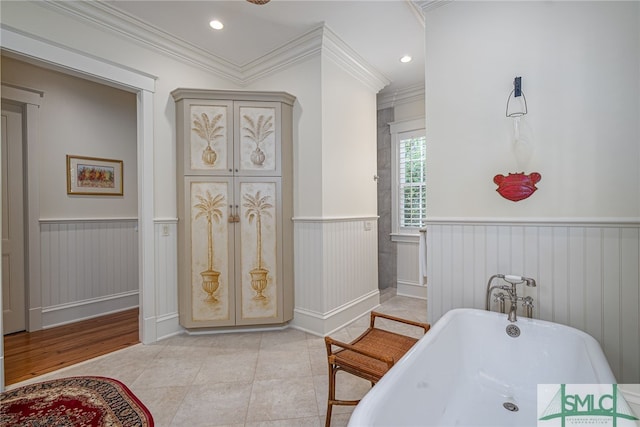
[(88, 268), (408, 266), (166, 274), (336, 272), (587, 273)]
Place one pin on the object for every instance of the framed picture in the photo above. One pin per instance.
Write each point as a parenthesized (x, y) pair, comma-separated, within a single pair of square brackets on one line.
[(94, 176)]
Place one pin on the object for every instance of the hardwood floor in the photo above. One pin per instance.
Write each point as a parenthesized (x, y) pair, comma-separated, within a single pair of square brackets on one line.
[(30, 354)]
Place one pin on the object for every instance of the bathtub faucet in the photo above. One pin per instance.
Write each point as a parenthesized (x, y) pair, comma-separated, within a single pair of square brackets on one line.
[(511, 293)]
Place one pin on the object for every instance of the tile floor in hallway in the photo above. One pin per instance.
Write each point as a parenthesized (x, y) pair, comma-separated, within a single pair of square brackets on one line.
[(275, 378)]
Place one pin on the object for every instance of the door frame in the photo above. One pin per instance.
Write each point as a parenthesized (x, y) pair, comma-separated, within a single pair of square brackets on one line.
[(53, 56), (29, 101)]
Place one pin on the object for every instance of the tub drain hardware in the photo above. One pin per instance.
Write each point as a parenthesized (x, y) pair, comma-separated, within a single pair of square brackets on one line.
[(510, 406), (513, 331)]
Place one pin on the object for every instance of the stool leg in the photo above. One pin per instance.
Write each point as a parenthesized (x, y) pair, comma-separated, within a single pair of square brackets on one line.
[(332, 393)]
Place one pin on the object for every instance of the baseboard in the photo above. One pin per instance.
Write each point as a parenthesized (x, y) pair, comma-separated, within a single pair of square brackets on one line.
[(168, 326), (413, 290), (35, 319), (323, 324), (88, 309)]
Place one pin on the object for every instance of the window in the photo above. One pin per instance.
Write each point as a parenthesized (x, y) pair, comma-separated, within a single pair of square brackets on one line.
[(409, 174), (412, 186)]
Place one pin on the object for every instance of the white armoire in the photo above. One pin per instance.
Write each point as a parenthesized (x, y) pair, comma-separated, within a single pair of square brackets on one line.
[(235, 208)]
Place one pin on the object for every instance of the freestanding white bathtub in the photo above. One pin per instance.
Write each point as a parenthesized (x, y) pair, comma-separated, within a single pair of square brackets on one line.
[(466, 368)]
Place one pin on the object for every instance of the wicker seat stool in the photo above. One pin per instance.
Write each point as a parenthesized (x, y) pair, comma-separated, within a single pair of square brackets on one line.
[(369, 356)]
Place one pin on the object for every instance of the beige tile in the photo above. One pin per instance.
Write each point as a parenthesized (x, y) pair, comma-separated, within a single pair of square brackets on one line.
[(126, 370), (318, 360), (348, 387), (339, 420), (162, 402), (283, 364), (213, 405), (187, 346), (238, 367), (232, 343), (161, 372), (287, 340), (186, 340), (293, 422), (280, 399)]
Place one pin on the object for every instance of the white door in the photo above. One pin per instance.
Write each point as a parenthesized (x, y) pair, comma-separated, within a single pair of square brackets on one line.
[(13, 274)]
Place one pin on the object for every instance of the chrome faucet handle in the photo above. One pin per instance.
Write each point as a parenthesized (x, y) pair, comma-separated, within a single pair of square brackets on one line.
[(527, 303)]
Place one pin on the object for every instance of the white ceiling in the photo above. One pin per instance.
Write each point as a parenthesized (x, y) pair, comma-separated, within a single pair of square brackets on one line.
[(380, 31)]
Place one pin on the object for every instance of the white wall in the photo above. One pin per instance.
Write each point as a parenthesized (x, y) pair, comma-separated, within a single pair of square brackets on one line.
[(348, 144), (579, 68), (307, 130), (79, 117), (578, 234)]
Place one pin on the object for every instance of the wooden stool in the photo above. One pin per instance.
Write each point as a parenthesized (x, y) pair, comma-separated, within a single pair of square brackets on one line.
[(369, 356)]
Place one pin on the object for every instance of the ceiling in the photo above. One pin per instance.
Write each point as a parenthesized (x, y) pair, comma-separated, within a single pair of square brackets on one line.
[(380, 31)]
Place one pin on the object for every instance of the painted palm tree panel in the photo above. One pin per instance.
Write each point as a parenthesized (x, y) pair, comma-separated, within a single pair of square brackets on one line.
[(258, 255), (257, 138), (209, 251), (208, 137)]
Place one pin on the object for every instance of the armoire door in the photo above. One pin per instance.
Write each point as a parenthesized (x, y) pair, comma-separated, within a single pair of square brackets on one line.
[(257, 138), (210, 295), (258, 251), (209, 138)]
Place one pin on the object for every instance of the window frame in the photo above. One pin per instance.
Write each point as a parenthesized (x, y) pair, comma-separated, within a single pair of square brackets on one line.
[(398, 131)]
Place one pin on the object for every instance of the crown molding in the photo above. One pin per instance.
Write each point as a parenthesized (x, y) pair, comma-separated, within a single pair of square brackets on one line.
[(320, 40), (427, 5), (108, 17), (297, 50), (417, 11), (401, 96), (349, 60)]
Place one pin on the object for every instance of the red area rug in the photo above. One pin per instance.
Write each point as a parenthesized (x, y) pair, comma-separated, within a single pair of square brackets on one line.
[(74, 401)]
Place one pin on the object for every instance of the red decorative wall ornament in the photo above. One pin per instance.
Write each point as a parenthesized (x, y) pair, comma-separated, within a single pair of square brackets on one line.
[(517, 186)]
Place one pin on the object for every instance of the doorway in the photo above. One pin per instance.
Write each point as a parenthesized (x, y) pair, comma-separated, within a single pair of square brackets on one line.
[(143, 85), (13, 234)]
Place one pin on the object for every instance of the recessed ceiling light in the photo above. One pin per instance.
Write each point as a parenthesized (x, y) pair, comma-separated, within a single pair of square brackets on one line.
[(216, 25), (405, 59)]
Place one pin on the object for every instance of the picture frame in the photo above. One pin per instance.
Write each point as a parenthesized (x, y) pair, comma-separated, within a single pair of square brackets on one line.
[(94, 176)]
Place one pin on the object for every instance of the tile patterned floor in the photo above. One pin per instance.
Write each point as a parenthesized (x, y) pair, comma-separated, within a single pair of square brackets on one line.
[(276, 378)]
